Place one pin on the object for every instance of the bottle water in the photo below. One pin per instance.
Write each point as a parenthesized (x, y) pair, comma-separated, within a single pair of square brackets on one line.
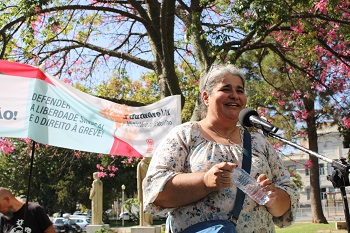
[(249, 185)]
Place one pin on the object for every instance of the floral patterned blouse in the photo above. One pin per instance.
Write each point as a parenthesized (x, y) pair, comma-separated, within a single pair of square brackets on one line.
[(186, 150)]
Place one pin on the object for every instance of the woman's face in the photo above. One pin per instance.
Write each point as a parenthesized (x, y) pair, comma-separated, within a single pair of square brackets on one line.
[(227, 99)]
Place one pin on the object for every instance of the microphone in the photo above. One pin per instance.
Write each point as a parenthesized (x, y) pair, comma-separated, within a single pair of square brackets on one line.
[(249, 117)]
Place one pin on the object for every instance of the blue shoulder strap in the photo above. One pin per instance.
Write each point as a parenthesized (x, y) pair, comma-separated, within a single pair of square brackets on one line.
[(246, 165)]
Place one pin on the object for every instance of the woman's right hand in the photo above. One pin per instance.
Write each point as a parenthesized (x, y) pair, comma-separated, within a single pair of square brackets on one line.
[(218, 177), (178, 191)]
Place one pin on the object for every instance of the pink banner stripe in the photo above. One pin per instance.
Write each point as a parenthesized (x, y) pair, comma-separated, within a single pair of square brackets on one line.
[(120, 147), (23, 70)]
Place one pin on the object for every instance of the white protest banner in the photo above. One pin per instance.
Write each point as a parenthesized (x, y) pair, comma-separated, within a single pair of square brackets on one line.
[(36, 105)]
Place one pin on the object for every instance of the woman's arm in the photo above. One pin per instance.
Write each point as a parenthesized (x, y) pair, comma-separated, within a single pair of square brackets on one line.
[(284, 195), (279, 201), (279, 204), (187, 188)]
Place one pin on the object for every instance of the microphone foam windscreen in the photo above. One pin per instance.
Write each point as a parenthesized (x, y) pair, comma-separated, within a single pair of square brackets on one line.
[(244, 116)]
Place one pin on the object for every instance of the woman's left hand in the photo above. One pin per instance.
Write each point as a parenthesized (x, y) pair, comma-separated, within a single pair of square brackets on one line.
[(268, 187), (279, 201)]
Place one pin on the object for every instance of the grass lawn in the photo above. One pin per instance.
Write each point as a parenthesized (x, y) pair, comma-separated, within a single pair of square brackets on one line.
[(297, 227), (307, 227)]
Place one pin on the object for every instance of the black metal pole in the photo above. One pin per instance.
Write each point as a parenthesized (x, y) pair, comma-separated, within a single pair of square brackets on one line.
[(339, 178), (345, 207), (30, 170), (29, 183)]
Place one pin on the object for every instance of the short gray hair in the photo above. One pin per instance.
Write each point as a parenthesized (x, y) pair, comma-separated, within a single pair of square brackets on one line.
[(218, 70)]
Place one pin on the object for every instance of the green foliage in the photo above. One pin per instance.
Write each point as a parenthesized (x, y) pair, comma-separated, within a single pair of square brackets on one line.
[(146, 89), (297, 181), (121, 86), (189, 85), (130, 205), (61, 178), (104, 230), (346, 135), (131, 202)]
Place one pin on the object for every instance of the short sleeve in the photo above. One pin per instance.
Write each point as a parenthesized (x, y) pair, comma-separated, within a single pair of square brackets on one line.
[(167, 161)]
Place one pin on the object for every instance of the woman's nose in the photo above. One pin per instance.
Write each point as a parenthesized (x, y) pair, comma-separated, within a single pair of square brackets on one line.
[(233, 95)]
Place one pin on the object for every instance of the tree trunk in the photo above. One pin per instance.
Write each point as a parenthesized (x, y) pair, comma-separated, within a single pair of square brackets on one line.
[(161, 39), (315, 192), (200, 47)]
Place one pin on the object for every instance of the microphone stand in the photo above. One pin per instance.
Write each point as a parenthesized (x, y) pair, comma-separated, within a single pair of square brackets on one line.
[(339, 177)]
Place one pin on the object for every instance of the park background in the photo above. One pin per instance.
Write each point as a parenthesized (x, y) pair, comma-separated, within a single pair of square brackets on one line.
[(295, 55)]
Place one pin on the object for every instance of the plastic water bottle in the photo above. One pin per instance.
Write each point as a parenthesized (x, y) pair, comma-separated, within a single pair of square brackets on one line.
[(249, 185)]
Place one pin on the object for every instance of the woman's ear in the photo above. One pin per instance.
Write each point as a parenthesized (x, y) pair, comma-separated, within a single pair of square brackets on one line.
[(205, 98)]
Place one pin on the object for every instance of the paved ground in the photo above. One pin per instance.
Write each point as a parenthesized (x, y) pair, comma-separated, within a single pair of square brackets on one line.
[(121, 229)]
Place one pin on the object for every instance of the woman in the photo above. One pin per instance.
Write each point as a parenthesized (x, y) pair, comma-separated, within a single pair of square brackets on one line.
[(189, 174)]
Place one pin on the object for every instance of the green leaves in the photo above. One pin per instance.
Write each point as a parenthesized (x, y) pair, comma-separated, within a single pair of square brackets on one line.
[(62, 178)]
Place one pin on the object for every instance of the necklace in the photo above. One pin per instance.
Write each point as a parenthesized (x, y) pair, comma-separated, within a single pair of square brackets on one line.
[(229, 140)]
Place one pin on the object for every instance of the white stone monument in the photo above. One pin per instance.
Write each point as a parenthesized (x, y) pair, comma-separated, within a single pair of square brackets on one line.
[(146, 220), (96, 195)]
